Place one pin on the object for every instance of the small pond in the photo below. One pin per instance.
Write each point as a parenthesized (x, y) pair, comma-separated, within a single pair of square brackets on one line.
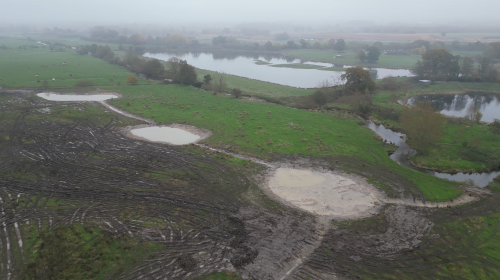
[(457, 105), (403, 151), (165, 134), (260, 67), (73, 97)]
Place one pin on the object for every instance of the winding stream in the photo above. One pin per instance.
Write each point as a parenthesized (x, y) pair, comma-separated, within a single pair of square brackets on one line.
[(404, 150)]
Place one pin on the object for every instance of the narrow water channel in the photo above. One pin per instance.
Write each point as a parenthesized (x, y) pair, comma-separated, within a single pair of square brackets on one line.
[(404, 150)]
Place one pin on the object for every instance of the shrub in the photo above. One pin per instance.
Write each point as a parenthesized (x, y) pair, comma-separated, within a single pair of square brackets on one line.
[(236, 92), (84, 83), (390, 83), (132, 80)]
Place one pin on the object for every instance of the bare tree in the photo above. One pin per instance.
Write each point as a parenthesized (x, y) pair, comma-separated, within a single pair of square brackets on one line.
[(473, 114), (219, 84)]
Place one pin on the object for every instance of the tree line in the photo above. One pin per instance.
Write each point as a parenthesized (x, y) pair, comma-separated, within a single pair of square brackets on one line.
[(177, 70), (440, 65)]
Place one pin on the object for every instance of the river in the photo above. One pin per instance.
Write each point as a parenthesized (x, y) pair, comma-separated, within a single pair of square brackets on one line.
[(259, 67)]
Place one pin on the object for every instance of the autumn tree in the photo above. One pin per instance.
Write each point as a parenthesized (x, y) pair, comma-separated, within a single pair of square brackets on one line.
[(373, 54), (268, 46), (357, 79), (437, 64), (361, 56), (339, 45), (154, 69), (494, 50), (187, 74), (422, 124), (132, 80)]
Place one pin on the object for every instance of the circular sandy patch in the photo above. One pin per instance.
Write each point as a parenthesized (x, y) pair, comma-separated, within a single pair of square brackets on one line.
[(174, 134), (325, 194)]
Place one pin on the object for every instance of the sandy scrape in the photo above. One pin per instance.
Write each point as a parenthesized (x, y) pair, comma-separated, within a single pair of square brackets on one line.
[(332, 194), (202, 133)]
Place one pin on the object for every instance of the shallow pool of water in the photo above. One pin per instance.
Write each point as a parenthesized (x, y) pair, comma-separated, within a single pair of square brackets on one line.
[(250, 66), (73, 97), (404, 150), (323, 193), (457, 105), (165, 134)]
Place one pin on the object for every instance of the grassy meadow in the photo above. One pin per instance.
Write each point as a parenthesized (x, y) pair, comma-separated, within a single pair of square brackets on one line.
[(349, 58), (268, 131), (19, 67), (481, 152)]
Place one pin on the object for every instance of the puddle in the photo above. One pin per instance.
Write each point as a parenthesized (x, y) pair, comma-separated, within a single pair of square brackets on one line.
[(165, 134), (73, 97), (324, 193)]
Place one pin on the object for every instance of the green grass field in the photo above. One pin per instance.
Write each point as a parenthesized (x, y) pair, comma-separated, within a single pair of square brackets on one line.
[(297, 66), (265, 130), (20, 67), (349, 58), (481, 152), (257, 88)]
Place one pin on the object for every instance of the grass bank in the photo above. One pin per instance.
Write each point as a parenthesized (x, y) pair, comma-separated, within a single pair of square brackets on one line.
[(268, 131)]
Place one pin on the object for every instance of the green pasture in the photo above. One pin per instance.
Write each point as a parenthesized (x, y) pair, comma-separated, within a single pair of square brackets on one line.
[(19, 67), (349, 58), (297, 66), (464, 146), (255, 87), (266, 130)]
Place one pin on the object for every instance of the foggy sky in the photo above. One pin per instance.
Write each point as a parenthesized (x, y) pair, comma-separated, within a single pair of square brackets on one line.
[(237, 11)]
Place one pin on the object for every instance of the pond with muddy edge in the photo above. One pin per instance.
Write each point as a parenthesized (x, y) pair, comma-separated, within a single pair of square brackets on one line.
[(404, 151), (75, 97), (164, 134), (457, 105)]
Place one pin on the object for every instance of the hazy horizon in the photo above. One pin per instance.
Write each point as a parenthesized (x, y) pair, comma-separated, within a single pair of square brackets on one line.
[(237, 12)]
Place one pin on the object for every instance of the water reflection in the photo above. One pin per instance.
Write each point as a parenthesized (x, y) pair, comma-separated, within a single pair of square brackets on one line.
[(456, 105), (243, 64), (403, 151)]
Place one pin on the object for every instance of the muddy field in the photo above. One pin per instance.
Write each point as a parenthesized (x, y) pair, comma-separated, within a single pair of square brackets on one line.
[(206, 213)]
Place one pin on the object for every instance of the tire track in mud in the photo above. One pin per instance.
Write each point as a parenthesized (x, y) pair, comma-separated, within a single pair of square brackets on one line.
[(298, 265), (227, 235)]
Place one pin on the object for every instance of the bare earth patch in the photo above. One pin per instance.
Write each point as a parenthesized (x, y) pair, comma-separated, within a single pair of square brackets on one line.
[(339, 196), (200, 132)]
